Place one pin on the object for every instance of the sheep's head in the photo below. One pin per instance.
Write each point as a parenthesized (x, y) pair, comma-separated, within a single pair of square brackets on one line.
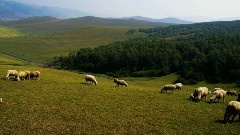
[(115, 79)]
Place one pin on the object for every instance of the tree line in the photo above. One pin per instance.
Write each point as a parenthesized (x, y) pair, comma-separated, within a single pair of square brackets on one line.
[(195, 57)]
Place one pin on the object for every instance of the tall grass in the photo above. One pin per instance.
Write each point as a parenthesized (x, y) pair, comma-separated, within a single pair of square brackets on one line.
[(61, 103)]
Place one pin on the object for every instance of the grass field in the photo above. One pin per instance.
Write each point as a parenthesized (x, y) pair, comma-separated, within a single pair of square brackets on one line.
[(10, 61), (43, 47), (61, 103), (8, 32)]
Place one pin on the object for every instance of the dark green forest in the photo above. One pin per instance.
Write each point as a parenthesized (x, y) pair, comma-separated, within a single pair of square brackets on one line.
[(202, 51)]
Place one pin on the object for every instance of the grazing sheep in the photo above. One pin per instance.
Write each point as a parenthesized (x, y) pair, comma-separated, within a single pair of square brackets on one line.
[(201, 92), (1, 100), (120, 82), (194, 95), (35, 74), (22, 75), (218, 94), (11, 73), (168, 87), (91, 78), (179, 86), (216, 89), (233, 108), (232, 93)]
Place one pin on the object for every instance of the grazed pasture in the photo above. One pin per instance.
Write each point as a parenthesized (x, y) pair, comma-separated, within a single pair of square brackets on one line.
[(43, 47), (61, 103)]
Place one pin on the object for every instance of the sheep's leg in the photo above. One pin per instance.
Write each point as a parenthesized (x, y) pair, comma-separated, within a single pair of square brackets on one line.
[(239, 117), (234, 115), (226, 117)]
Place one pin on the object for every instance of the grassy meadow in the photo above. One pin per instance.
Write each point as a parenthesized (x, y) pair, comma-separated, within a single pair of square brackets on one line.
[(61, 103), (8, 32), (43, 47)]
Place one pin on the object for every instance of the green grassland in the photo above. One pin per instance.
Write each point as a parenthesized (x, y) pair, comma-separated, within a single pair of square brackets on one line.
[(61, 103), (4, 60), (43, 47), (8, 32)]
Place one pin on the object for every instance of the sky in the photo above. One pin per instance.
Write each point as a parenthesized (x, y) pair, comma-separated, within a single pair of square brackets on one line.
[(157, 9)]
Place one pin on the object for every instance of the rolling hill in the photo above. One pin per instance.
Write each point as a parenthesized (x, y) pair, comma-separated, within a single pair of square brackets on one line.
[(50, 24), (169, 20), (62, 103)]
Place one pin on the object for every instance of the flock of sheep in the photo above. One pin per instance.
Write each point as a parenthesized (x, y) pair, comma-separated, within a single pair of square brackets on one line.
[(23, 74), (233, 107)]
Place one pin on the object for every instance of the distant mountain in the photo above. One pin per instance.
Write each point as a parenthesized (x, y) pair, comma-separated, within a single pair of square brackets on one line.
[(164, 20), (50, 24), (15, 10), (228, 19)]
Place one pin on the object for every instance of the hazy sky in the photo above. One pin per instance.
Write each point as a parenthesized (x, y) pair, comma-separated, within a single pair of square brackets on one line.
[(158, 9)]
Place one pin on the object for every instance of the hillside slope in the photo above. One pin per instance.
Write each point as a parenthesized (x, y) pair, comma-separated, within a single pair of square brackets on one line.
[(61, 103), (43, 47), (50, 24)]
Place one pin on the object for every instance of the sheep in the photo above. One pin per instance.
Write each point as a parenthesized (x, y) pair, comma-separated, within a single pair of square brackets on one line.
[(216, 89), (194, 95), (22, 74), (120, 82), (233, 108), (35, 74), (1, 100), (218, 94), (232, 93), (200, 93), (168, 87), (179, 86), (90, 78), (11, 73)]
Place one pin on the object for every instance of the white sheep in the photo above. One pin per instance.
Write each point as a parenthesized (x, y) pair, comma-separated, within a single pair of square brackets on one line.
[(1, 100), (120, 82), (35, 74), (233, 108), (11, 73), (23, 75), (168, 87), (218, 94), (201, 92), (179, 86), (91, 78)]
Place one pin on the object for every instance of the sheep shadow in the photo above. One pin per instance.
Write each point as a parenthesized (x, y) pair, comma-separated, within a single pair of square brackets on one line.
[(221, 122), (84, 83)]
